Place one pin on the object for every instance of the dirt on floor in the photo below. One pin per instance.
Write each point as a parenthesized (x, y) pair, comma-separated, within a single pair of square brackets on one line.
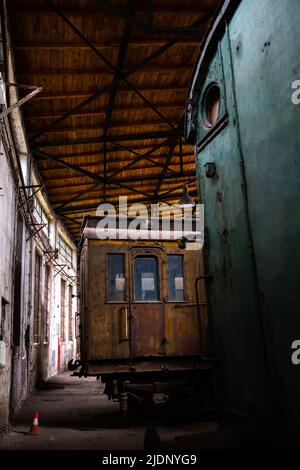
[(75, 415)]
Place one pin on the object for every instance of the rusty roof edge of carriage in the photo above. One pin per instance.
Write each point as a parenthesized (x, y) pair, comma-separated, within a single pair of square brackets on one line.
[(223, 14), (188, 228), (145, 228)]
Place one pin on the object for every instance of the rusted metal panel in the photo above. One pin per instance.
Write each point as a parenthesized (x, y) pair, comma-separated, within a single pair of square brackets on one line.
[(187, 330), (129, 328), (147, 332), (183, 330), (149, 365), (146, 318), (104, 320)]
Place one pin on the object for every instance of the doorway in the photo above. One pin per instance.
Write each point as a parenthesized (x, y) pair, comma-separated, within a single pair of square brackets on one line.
[(146, 302)]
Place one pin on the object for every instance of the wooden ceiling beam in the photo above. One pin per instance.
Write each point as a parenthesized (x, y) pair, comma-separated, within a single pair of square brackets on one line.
[(97, 128), (163, 174), (170, 156), (63, 202), (78, 214), (107, 88), (139, 157), (93, 12), (63, 180), (189, 160), (100, 179), (118, 75), (154, 135), (74, 198), (82, 94), (84, 207), (129, 179), (47, 173), (47, 170), (117, 79), (147, 186), (92, 153), (117, 159), (104, 45), (70, 187), (146, 26), (71, 220), (102, 72), (117, 149), (131, 163), (110, 200), (93, 194), (178, 105)]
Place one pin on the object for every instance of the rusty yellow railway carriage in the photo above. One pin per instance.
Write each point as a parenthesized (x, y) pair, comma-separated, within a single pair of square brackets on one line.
[(143, 319)]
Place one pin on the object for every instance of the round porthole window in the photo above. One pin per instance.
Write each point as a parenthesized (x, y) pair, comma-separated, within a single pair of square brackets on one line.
[(212, 105)]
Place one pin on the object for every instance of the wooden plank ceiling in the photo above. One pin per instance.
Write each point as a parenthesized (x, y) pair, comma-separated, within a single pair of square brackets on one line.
[(115, 74)]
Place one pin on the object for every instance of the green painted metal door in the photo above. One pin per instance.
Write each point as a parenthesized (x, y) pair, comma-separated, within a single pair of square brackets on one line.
[(232, 291)]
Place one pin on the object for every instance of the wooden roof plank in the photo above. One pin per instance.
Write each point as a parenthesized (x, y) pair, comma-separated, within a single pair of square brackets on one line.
[(89, 115), (106, 88), (108, 64), (145, 26)]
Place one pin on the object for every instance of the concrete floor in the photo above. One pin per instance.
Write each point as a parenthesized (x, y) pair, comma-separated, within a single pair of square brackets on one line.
[(74, 415)]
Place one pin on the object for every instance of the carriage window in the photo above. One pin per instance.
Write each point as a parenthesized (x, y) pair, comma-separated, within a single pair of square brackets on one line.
[(146, 279), (116, 277), (175, 278), (212, 105)]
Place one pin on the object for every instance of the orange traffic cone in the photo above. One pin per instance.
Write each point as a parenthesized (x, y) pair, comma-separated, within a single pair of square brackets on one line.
[(35, 425)]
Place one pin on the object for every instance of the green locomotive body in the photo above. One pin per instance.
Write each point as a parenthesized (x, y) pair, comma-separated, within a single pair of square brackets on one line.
[(243, 118)]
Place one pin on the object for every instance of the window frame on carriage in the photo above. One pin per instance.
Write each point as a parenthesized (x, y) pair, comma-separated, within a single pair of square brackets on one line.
[(169, 298), (158, 279), (109, 299)]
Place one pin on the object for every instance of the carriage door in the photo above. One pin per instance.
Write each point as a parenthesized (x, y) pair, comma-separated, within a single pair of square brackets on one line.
[(146, 304)]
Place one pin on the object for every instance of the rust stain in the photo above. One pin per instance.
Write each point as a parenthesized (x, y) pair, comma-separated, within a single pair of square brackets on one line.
[(219, 197)]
